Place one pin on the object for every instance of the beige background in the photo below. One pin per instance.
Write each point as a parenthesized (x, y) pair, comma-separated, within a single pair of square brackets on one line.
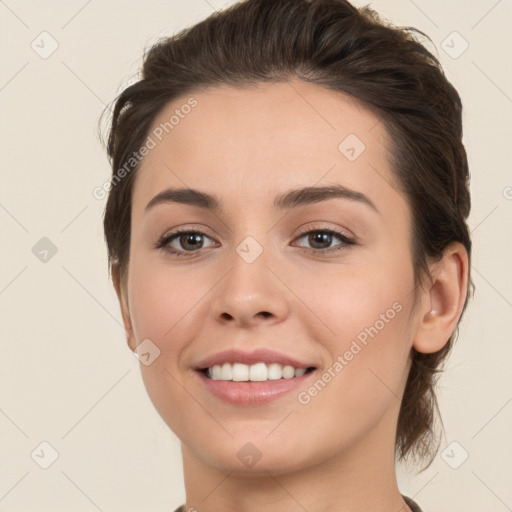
[(67, 377)]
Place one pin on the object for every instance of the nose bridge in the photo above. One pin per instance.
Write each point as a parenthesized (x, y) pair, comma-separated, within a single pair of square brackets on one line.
[(250, 291)]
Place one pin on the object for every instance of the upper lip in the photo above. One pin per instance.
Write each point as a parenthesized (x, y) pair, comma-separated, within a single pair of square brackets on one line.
[(260, 355)]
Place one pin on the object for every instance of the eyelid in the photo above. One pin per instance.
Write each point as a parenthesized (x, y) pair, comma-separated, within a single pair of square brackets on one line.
[(325, 227), (345, 238), (165, 239), (194, 228)]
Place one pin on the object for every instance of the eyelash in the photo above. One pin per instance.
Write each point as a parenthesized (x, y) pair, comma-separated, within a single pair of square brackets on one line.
[(166, 239)]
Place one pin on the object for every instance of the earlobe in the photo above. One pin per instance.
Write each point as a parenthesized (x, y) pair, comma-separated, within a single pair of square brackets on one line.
[(122, 296), (443, 300)]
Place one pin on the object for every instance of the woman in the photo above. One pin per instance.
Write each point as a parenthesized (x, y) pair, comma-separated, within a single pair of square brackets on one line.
[(287, 236)]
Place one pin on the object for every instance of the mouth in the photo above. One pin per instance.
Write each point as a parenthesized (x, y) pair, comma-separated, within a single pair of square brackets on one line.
[(258, 372), (257, 384), (255, 378)]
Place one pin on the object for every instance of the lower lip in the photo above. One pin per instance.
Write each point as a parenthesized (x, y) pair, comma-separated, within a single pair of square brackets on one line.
[(252, 393)]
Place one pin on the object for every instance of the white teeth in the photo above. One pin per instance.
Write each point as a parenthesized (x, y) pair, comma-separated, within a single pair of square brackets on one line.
[(288, 372), (274, 371), (216, 372), (258, 372), (227, 372), (240, 372), (299, 372)]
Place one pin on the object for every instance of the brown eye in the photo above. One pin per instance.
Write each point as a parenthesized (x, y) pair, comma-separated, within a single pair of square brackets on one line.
[(320, 240), (182, 242), (191, 241)]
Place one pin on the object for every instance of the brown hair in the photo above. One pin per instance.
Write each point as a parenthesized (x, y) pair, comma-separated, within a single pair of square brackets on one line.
[(335, 45)]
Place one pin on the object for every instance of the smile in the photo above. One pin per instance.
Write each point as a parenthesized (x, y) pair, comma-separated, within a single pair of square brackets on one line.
[(252, 378), (258, 372)]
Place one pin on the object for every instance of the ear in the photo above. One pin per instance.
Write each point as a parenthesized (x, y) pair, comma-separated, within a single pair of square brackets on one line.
[(442, 300), (122, 295)]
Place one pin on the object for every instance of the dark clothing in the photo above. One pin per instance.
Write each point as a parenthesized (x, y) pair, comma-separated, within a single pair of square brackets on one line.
[(412, 505)]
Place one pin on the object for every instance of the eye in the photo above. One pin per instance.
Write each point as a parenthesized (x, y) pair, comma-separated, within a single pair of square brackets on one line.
[(187, 240), (320, 240)]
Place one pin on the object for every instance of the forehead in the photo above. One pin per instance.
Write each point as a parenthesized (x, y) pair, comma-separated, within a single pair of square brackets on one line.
[(260, 139)]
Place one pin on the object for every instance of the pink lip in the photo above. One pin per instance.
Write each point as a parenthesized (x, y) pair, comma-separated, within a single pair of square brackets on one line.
[(252, 393), (257, 356)]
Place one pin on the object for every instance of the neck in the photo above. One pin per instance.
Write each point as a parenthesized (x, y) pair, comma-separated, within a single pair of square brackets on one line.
[(360, 478)]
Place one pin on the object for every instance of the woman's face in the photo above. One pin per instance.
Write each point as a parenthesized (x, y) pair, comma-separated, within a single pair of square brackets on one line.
[(269, 279)]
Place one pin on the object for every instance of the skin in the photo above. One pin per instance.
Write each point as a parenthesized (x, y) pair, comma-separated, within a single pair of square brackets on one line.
[(247, 146)]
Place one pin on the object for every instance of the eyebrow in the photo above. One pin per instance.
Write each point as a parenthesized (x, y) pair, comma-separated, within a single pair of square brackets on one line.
[(291, 199)]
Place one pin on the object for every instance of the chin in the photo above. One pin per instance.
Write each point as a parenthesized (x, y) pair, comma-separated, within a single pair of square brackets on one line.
[(249, 461), (254, 455)]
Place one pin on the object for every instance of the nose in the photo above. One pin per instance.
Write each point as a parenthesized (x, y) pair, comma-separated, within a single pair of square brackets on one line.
[(250, 294)]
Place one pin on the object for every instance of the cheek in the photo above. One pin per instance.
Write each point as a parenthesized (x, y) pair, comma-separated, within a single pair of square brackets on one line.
[(366, 330), (164, 306), (169, 307), (160, 302), (368, 361), (360, 302)]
